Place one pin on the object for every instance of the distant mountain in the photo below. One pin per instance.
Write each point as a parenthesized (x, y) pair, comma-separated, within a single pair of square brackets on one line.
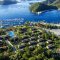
[(7, 2), (40, 7), (49, 1), (53, 2)]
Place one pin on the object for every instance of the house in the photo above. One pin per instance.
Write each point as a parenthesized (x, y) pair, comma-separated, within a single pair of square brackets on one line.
[(40, 33), (57, 53), (34, 29), (22, 50), (1, 43), (50, 46), (41, 44), (49, 41), (38, 44), (1, 38), (21, 46), (15, 40), (25, 41), (25, 37), (32, 43), (23, 30), (7, 37), (3, 48), (39, 36), (30, 47), (32, 34), (33, 38), (41, 40)]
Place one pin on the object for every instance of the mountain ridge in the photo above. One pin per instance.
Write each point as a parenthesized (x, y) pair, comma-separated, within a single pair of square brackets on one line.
[(53, 2)]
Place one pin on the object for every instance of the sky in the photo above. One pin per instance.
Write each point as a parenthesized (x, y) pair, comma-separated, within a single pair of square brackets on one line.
[(21, 0)]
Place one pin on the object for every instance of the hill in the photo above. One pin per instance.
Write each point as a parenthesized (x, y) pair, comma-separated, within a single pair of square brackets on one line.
[(30, 43), (39, 7), (53, 2)]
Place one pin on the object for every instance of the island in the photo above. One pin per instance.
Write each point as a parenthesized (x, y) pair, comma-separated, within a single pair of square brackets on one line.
[(40, 7)]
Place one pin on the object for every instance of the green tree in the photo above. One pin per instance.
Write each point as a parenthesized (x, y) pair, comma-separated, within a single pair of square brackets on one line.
[(32, 58), (25, 56), (1, 56), (49, 52), (38, 50), (40, 56), (51, 59), (53, 36)]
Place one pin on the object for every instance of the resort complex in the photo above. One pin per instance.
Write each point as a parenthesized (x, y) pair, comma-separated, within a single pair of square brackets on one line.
[(29, 29), (28, 42)]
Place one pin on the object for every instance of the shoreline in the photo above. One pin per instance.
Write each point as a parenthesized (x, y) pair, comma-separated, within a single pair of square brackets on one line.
[(54, 31), (53, 24), (39, 12), (41, 22)]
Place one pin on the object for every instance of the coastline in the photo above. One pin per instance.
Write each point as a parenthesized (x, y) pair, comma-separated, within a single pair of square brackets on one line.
[(53, 24), (54, 31)]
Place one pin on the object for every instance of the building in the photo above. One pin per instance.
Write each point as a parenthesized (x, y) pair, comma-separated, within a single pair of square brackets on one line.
[(32, 43)]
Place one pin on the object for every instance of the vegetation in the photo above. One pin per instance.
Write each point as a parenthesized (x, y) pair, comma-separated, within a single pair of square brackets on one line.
[(30, 43), (53, 2), (47, 26), (39, 7)]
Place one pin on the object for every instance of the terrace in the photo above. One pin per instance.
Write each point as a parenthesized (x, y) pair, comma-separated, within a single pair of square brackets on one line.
[(25, 37), (23, 30), (49, 41), (39, 36), (41, 44), (1, 43), (50, 46), (22, 46), (1, 38), (32, 38), (15, 40), (32, 43), (25, 41), (41, 40), (32, 47), (3, 48), (29, 42)]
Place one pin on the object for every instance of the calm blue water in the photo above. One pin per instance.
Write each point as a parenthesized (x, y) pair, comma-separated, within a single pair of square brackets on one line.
[(21, 10)]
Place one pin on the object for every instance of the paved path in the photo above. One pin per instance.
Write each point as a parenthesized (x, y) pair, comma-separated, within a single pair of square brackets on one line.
[(9, 43)]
